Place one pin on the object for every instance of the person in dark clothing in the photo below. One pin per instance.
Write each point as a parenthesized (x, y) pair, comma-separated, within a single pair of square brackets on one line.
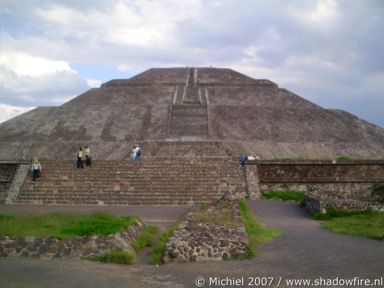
[(80, 158), (243, 158), (36, 168)]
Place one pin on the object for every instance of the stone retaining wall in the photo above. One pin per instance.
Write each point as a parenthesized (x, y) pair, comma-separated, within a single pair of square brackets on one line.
[(320, 171), (197, 240), (50, 247), (7, 172), (346, 185)]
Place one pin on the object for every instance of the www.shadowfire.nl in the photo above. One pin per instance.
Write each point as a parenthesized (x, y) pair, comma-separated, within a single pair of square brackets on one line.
[(335, 282)]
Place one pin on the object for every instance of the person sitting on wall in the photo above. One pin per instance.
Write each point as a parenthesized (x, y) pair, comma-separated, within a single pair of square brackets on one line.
[(36, 168), (87, 152)]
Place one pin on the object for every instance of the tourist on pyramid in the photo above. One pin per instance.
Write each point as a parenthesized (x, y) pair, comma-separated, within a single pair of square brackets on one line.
[(136, 152), (80, 158), (87, 152), (243, 158), (36, 168)]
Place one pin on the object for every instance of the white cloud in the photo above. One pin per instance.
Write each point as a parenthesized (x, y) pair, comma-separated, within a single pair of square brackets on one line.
[(26, 65), (322, 13), (8, 111), (93, 83), (26, 80)]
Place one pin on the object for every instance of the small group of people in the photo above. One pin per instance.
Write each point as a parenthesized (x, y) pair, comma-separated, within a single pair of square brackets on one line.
[(136, 152), (84, 154)]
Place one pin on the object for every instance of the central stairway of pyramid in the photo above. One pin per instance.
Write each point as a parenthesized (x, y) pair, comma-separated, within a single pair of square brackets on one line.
[(189, 115), (151, 181)]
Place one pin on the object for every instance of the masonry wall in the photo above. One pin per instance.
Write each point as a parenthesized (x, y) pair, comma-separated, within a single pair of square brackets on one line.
[(321, 172), (7, 172), (333, 182)]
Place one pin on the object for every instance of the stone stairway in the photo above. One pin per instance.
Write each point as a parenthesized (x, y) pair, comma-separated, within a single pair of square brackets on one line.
[(152, 181), (189, 120)]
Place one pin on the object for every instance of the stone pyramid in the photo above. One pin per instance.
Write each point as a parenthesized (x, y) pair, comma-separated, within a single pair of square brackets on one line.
[(189, 111)]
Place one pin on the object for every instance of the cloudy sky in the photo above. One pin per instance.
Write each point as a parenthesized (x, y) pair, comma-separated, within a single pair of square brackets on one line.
[(327, 51)]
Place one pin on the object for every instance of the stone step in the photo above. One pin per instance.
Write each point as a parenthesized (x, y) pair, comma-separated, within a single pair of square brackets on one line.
[(153, 182)]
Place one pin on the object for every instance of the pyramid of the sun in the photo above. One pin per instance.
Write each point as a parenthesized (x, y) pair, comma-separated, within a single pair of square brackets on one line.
[(189, 111)]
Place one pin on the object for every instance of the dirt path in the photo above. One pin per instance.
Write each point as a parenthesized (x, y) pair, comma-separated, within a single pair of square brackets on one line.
[(304, 251)]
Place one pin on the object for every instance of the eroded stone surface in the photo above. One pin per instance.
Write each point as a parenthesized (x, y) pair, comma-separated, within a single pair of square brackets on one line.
[(209, 240), (244, 114)]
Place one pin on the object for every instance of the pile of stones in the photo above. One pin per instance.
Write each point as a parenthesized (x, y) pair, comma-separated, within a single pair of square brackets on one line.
[(50, 247), (209, 233)]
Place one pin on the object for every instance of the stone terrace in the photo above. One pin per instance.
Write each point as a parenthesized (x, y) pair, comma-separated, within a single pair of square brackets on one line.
[(152, 181)]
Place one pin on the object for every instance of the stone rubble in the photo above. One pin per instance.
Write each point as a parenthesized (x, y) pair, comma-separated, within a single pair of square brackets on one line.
[(196, 240)]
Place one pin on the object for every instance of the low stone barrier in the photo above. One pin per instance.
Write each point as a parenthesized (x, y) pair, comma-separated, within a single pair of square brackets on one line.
[(70, 247), (199, 240), (320, 202)]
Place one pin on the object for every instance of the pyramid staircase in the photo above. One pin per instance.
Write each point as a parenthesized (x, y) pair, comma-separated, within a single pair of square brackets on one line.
[(189, 115), (151, 181)]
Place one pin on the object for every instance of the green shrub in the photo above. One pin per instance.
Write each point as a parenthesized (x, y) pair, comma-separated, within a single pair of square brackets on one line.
[(158, 251), (203, 206), (288, 195), (146, 237), (336, 213)]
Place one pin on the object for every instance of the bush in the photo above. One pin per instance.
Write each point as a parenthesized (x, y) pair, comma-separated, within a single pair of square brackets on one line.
[(288, 195), (158, 251), (146, 237)]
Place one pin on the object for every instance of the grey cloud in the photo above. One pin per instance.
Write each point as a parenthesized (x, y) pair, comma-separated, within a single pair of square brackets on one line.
[(220, 33), (39, 91)]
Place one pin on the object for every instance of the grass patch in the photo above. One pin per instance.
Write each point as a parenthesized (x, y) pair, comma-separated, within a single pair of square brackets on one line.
[(158, 251), (61, 225), (146, 238), (224, 218), (257, 232), (336, 213), (288, 195), (120, 257), (219, 214), (343, 158), (203, 206), (364, 223)]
